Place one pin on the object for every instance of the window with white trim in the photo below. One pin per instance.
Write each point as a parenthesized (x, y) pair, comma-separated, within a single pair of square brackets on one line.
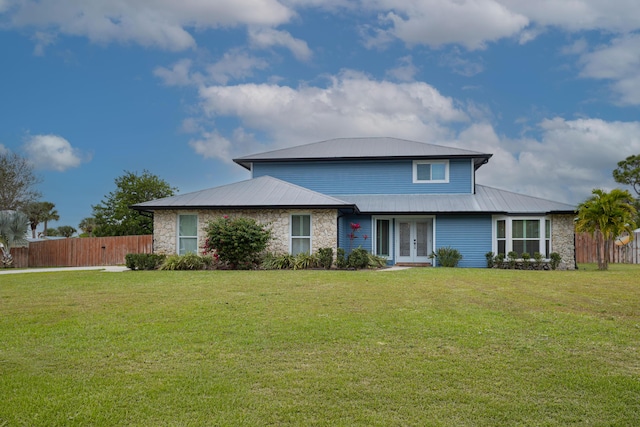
[(383, 237), (430, 171), (518, 234), (300, 234), (187, 234)]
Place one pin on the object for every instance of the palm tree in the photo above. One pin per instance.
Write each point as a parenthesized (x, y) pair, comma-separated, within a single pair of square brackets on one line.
[(35, 212), (50, 214), (13, 227), (87, 225), (606, 216)]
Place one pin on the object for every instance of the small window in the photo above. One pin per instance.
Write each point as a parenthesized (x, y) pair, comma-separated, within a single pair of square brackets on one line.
[(187, 234), (501, 234), (300, 234), (382, 237), (430, 172)]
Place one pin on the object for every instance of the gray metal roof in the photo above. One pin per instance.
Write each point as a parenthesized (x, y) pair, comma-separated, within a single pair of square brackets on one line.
[(263, 192), (363, 148), (486, 200)]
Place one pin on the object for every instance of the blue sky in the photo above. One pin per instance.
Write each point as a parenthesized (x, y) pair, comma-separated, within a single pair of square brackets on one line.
[(89, 90)]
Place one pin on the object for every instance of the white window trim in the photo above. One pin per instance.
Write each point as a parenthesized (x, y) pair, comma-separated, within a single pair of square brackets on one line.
[(178, 236), (508, 232), (291, 237), (431, 162), (374, 235)]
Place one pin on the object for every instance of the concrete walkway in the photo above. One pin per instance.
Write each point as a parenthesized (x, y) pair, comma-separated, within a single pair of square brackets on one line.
[(108, 268)]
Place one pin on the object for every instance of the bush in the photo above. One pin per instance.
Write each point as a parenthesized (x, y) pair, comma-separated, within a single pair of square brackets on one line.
[(555, 259), (278, 262), (490, 259), (304, 261), (447, 256), (526, 260), (358, 259), (144, 261), (512, 259), (341, 261), (499, 260), (325, 258), (376, 261), (189, 261), (539, 259), (237, 242)]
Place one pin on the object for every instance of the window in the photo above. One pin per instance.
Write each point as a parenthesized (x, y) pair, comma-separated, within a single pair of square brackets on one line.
[(187, 234), (300, 234), (430, 171), (382, 237), (522, 235)]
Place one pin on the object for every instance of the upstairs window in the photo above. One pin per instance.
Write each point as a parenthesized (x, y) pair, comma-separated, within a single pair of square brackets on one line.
[(425, 171)]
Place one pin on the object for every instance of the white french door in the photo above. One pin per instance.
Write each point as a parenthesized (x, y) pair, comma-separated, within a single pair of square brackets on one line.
[(414, 240)]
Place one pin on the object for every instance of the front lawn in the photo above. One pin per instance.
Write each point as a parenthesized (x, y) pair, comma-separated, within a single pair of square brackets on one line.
[(418, 347)]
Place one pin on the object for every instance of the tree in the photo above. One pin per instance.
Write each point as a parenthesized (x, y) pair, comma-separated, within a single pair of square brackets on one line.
[(50, 214), (114, 217), (606, 216), (628, 172), (18, 182), (13, 228), (66, 230), (87, 225), (51, 232)]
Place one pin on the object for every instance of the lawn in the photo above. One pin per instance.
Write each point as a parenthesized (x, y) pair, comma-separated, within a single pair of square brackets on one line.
[(418, 347)]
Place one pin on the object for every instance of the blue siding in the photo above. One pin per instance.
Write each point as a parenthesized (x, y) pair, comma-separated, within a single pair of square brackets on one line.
[(365, 177), (470, 234), (344, 229)]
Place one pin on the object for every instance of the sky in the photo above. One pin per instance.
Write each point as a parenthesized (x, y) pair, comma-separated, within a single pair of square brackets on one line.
[(91, 90)]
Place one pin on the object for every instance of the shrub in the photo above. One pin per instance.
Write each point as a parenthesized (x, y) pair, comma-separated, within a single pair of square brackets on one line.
[(189, 261), (325, 258), (499, 260), (526, 260), (358, 259), (278, 262), (376, 261), (237, 242), (447, 256), (512, 259), (304, 261), (341, 261), (538, 259), (489, 257), (555, 259), (144, 261)]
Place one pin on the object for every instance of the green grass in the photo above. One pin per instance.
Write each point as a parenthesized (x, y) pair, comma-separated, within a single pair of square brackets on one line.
[(418, 347)]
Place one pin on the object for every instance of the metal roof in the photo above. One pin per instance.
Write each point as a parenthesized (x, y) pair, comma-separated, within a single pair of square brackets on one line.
[(263, 192), (363, 148), (486, 200)]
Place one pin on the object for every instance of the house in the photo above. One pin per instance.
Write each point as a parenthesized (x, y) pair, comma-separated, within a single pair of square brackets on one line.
[(408, 198)]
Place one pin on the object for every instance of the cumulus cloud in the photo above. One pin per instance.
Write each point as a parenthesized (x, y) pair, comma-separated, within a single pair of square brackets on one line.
[(351, 104), (570, 157), (269, 37), (619, 61), (158, 23), (235, 65), (405, 71), (178, 75), (52, 152)]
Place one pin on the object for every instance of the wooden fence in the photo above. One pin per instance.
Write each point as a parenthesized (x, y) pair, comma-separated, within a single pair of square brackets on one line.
[(81, 252), (622, 254)]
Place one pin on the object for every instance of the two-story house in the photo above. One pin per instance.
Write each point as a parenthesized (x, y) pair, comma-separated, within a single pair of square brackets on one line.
[(408, 198)]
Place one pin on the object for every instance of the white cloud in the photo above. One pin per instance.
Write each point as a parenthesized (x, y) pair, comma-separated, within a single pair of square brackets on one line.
[(158, 23), (570, 158), (3, 149), (235, 65), (351, 104), (405, 71), (268, 37), (618, 61), (178, 75), (435, 23), (52, 152)]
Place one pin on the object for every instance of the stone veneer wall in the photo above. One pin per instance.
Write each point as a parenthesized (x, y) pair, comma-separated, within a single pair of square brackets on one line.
[(562, 238), (324, 232)]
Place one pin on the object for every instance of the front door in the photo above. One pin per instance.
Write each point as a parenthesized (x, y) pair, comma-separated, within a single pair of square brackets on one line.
[(414, 240)]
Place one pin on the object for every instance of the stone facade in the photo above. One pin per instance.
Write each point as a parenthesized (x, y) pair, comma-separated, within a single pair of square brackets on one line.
[(562, 238), (324, 231)]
